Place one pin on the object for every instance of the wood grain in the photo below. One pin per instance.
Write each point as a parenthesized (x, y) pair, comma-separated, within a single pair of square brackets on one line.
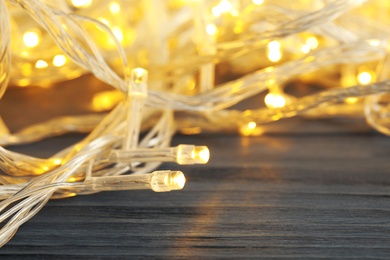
[(276, 196)]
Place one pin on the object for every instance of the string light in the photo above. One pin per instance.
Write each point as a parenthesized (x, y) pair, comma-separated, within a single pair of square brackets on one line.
[(59, 60), (82, 3), (192, 50), (31, 39)]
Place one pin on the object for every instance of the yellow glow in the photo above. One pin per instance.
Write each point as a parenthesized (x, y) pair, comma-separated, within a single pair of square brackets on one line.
[(364, 77), (211, 29), (118, 33), (105, 21), (273, 45), (252, 125), (31, 39), (81, 3), (312, 42), (305, 48), (26, 69), (258, 2), (191, 130), (274, 56), (24, 82), (106, 100), (57, 161), (115, 8), (176, 180), (251, 129), (179, 180), (225, 6), (24, 54), (59, 60), (351, 100), (274, 100), (374, 42), (201, 154), (41, 64)]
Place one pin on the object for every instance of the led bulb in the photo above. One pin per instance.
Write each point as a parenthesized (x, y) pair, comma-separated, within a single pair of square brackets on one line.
[(81, 3), (163, 181), (159, 181), (31, 39), (274, 100), (190, 154), (139, 78)]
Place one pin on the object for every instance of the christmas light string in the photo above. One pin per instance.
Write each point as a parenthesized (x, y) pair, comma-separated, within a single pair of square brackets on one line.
[(185, 43)]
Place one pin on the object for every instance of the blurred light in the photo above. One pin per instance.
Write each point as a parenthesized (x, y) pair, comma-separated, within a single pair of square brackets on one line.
[(274, 56), (41, 64), (251, 129), (115, 8), (106, 100), (225, 6), (211, 29), (305, 48), (312, 42), (274, 45), (31, 39), (59, 60), (81, 3), (117, 31), (274, 100), (364, 77), (258, 2), (351, 100)]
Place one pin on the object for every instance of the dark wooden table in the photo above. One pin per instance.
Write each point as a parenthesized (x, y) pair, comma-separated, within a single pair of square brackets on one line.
[(307, 189)]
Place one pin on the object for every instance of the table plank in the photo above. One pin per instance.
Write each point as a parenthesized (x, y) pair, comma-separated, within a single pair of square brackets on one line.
[(314, 195)]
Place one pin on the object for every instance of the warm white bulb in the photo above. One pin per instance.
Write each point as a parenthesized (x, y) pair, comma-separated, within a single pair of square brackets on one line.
[(31, 39), (59, 60), (81, 3), (211, 29)]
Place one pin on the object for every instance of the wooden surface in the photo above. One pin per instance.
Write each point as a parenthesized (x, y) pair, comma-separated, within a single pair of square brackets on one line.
[(306, 189), (311, 195)]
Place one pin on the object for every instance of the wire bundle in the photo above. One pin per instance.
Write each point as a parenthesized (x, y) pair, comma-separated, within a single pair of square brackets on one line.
[(183, 45)]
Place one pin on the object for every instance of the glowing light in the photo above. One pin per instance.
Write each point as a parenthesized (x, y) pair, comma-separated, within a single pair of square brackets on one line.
[(175, 180), (224, 6), (59, 60), (191, 130), (106, 100), (105, 21), (201, 154), (274, 100), (252, 125), (258, 2), (374, 42), (31, 39), (251, 129), (81, 3), (115, 8), (351, 100), (24, 82), (312, 42), (274, 56), (57, 161), (273, 45), (41, 64), (211, 29), (305, 48), (118, 33), (364, 77), (179, 180)]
